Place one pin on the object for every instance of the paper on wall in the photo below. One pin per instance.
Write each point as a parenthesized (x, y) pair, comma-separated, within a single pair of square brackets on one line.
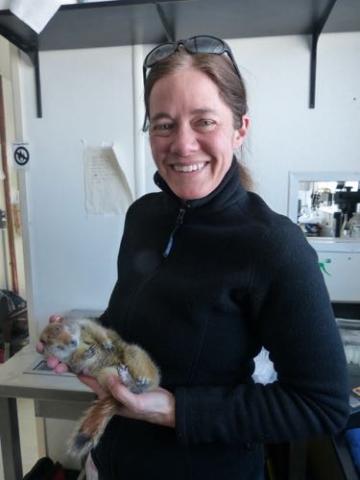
[(126, 167), (107, 190), (37, 13)]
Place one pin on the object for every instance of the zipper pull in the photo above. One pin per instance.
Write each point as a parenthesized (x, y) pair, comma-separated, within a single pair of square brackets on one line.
[(179, 221), (180, 217)]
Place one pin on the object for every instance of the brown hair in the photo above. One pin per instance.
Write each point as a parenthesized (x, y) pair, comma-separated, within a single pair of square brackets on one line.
[(221, 71)]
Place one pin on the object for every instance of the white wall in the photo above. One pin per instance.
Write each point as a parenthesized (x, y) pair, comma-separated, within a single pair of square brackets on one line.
[(287, 135), (87, 95)]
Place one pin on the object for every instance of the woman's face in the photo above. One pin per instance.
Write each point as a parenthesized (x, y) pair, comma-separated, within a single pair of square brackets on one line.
[(192, 135)]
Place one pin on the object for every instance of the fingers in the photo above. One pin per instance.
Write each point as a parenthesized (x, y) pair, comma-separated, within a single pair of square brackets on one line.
[(92, 383), (156, 406), (61, 368), (56, 365), (39, 347), (123, 394), (52, 362)]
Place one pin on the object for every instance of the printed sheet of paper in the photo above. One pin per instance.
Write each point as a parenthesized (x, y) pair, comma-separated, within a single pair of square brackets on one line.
[(107, 190)]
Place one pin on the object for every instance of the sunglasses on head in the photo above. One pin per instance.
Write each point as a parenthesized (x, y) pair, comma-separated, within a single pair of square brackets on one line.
[(197, 44)]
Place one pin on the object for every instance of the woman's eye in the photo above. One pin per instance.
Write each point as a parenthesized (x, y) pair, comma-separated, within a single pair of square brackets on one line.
[(206, 123), (161, 128)]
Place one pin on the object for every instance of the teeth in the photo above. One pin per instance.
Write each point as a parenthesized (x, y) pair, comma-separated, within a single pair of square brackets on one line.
[(189, 168)]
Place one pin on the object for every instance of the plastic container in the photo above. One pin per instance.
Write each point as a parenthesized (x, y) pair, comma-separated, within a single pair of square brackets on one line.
[(354, 225)]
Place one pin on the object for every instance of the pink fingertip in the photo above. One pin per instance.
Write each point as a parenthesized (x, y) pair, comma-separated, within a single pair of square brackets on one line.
[(61, 368), (39, 347), (52, 362)]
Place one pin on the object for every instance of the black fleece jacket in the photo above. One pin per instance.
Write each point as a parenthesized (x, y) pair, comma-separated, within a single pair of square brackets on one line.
[(202, 286)]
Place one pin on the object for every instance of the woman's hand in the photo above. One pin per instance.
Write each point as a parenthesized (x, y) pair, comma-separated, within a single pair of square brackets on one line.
[(156, 406), (53, 362)]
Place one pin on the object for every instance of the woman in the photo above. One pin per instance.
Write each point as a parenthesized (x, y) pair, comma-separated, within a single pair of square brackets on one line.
[(207, 275)]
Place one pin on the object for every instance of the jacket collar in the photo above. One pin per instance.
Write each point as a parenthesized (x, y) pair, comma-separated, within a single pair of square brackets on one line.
[(227, 192)]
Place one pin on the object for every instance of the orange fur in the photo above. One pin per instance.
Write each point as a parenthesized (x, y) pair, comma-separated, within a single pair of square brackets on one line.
[(93, 425), (89, 348)]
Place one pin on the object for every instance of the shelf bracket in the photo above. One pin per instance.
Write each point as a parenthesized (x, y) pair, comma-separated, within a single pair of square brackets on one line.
[(318, 28), (169, 31), (34, 57)]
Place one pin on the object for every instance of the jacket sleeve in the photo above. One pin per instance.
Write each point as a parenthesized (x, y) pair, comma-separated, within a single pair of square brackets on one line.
[(295, 323)]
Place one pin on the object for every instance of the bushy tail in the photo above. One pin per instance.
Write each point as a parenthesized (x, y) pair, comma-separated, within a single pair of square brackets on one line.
[(90, 428)]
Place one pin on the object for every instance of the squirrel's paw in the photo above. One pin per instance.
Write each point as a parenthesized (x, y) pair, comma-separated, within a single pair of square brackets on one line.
[(141, 384), (138, 385), (124, 374)]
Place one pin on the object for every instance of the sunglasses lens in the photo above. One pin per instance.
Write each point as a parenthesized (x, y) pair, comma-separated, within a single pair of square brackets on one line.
[(204, 44), (159, 53)]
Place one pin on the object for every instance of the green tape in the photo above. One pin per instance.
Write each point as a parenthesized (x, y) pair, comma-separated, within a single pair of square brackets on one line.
[(322, 266)]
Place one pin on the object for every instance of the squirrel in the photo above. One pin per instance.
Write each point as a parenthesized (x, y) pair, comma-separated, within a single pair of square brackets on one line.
[(91, 349)]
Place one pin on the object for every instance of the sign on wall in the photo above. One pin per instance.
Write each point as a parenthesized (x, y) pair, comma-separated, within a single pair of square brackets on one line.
[(21, 154)]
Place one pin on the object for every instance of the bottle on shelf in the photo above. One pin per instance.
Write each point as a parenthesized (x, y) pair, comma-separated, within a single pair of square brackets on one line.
[(354, 223), (345, 227)]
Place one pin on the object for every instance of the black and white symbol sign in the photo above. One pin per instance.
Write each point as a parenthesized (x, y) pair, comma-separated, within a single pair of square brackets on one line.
[(21, 155)]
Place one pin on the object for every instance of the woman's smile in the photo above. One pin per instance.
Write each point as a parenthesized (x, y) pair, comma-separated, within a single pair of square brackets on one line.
[(189, 168)]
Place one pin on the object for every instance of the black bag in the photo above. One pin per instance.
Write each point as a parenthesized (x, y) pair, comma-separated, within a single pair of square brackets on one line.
[(14, 331), (46, 469)]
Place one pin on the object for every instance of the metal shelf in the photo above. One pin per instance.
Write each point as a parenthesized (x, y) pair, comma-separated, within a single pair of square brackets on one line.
[(102, 24), (117, 23)]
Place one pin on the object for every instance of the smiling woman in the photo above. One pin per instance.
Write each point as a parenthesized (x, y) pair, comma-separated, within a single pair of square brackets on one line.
[(208, 274), (192, 133), (224, 87)]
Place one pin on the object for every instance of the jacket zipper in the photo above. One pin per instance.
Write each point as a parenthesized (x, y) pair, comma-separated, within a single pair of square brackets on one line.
[(178, 223)]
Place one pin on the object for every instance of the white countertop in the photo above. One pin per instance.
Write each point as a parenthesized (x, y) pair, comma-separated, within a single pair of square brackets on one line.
[(327, 244), (16, 382)]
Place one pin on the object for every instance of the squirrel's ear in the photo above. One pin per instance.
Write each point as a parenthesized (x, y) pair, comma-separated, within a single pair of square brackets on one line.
[(56, 319)]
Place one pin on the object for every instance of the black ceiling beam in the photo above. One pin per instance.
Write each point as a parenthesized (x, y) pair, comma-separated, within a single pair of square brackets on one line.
[(318, 28), (34, 56)]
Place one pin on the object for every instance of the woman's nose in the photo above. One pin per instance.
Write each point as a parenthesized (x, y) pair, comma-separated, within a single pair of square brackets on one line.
[(184, 141)]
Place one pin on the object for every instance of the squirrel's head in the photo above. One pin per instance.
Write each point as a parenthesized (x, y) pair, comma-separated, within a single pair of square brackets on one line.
[(60, 340)]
